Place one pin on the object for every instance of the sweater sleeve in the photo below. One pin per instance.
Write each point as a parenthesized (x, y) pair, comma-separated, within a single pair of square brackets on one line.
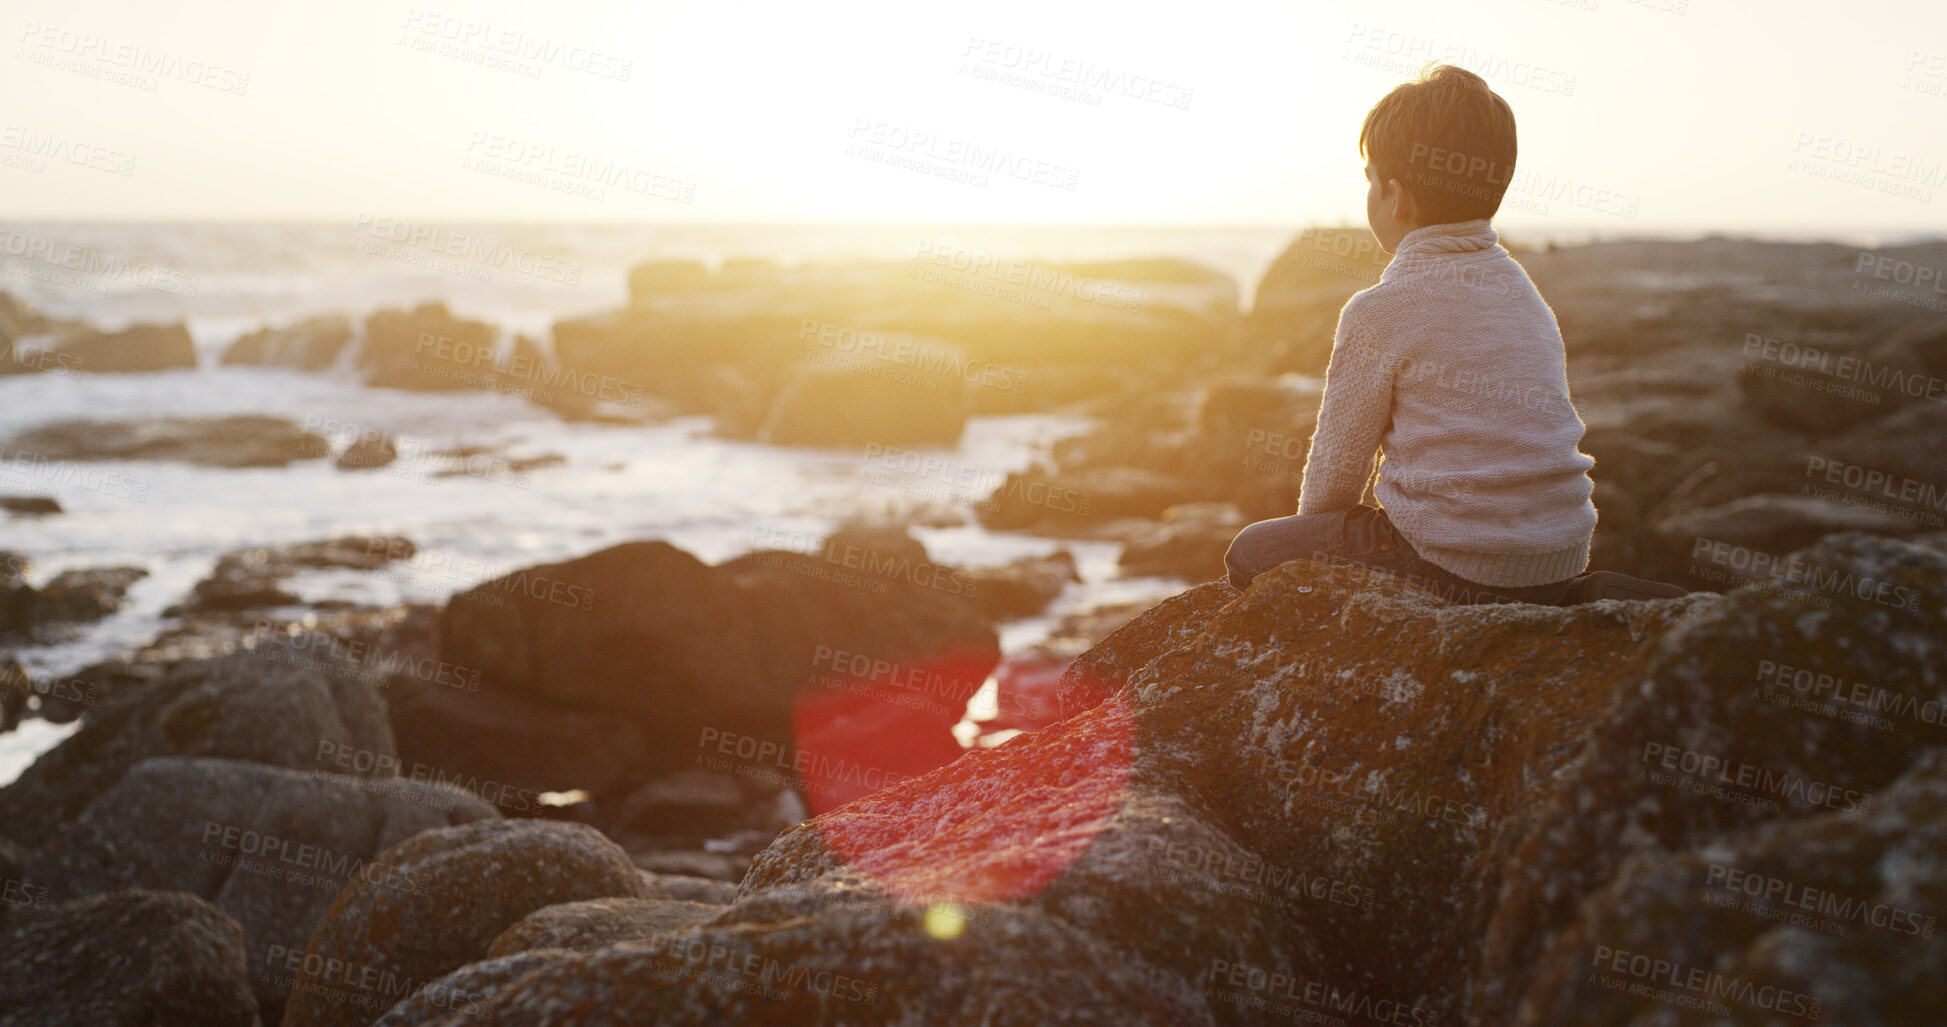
[(1352, 419)]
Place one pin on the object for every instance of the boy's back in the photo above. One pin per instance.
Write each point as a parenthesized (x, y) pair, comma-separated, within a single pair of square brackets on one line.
[(1453, 365)]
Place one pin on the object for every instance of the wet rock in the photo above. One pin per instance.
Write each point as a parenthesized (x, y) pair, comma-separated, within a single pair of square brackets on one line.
[(368, 453), (474, 882), (128, 959), (599, 923), (312, 344), (1188, 543), (286, 703), (1026, 586), (248, 579), (268, 847), (30, 506), (69, 598), (243, 440), (142, 347)]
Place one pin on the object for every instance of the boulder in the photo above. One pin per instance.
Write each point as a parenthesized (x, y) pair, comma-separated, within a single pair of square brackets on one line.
[(468, 990), (703, 657), (599, 923), (312, 344), (473, 882), (127, 959), (427, 348), (242, 440), (1026, 586), (268, 847), (524, 746), (368, 453), (142, 347), (286, 703), (1337, 795)]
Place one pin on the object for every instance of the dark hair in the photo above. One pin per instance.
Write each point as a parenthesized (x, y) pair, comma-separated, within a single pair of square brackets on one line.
[(1448, 138)]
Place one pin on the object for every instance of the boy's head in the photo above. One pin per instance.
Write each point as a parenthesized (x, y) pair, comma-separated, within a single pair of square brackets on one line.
[(1438, 150)]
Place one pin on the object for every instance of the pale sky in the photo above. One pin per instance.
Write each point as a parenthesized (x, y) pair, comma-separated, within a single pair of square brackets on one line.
[(1770, 117)]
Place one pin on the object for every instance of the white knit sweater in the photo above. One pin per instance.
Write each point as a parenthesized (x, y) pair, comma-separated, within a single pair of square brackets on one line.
[(1451, 370)]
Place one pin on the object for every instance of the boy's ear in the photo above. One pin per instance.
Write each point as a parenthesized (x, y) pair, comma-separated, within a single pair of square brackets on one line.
[(1405, 208)]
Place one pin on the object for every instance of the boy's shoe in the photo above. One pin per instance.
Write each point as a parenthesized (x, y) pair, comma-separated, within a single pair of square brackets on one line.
[(1587, 588)]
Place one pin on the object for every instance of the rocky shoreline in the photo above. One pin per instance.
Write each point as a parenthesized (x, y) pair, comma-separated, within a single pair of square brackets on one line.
[(636, 787)]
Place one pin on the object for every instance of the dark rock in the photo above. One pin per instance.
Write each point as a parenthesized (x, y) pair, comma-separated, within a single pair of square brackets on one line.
[(1189, 543), (251, 578), (1297, 304), (244, 440), (526, 746), (142, 347), (69, 598), (426, 348), (15, 689), (598, 923), (468, 991), (287, 703), (368, 453), (313, 344), (727, 867), (1025, 587), (697, 655), (1060, 503), (31, 506), (1823, 382), (474, 882), (129, 959), (269, 847), (1767, 525), (689, 889)]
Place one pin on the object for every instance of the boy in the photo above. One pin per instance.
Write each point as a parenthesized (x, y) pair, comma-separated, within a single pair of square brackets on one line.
[(1451, 370)]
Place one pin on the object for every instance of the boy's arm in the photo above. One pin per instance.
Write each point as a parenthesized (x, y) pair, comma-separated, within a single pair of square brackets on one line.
[(1352, 418)]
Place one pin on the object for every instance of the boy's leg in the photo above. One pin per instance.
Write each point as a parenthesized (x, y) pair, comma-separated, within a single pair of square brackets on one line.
[(1266, 544)]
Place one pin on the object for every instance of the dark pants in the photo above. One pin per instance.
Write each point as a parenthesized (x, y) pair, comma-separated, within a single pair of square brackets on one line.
[(1362, 536)]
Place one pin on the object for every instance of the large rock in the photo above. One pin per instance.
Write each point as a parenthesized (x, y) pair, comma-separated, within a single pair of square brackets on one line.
[(269, 847), (699, 655), (248, 578), (427, 348), (242, 440), (69, 598), (309, 345), (142, 347), (472, 882), (860, 402), (287, 703), (129, 959), (599, 923), (1337, 796), (1297, 303)]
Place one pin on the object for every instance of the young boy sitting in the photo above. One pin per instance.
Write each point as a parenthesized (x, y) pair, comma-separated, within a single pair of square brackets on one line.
[(1451, 372)]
